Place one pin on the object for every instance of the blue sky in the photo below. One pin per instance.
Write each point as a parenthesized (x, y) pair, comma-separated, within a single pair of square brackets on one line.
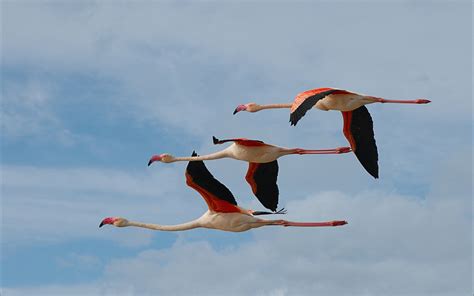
[(91, 90)]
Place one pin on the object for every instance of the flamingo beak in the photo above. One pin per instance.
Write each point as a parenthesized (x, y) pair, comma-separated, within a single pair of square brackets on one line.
[(109, 220), (239, 108), (154, 158)]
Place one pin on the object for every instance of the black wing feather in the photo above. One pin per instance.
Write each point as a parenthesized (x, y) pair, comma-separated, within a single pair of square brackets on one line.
[(265, 176), (202, 177), (362, 130), (308, 103)]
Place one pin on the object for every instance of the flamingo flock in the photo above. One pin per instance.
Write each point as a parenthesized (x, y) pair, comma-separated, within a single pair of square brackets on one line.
[(223, 212)]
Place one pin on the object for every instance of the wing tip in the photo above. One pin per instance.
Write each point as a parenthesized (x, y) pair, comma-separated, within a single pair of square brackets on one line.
[(293, 121), (192, 165), (372, 169)]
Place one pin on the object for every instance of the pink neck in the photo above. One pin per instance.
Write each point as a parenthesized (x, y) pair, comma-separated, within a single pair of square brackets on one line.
[(217, 155), (275, 106), (178, 227)]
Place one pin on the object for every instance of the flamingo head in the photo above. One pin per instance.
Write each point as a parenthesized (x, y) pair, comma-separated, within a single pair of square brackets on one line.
[(162, 157), (249, 107), (115, 221)]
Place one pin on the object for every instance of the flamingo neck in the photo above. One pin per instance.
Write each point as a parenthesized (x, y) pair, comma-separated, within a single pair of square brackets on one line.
[(217, 155), (179, 227), (274, 106)]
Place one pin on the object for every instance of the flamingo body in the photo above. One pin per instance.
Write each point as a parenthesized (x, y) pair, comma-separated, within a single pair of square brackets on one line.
[(327, 99), (254, 151), (257, 154), (233, 221)]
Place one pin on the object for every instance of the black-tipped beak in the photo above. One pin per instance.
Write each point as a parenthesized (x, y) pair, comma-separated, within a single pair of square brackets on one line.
[(101, 224), (240, 108), (153, 159)]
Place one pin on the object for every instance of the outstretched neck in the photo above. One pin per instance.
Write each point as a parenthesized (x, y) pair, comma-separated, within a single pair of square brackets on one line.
[(179, 227), (217, 155), (274, 106)]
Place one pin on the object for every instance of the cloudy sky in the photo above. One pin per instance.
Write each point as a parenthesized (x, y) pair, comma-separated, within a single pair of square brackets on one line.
[(91, 90)]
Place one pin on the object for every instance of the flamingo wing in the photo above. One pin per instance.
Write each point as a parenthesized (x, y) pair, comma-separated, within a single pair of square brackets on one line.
[(306, 100), (240, 141), (262, 178), (359, 131), (217, 196)]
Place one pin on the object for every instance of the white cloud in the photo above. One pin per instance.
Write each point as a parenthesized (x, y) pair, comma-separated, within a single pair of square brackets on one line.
[(215, 56), (78, 261), (52, 205), (26, 112)]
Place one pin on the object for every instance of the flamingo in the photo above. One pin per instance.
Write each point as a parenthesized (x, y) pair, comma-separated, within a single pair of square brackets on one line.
[(262, 172), (223, 212), (358, 126)]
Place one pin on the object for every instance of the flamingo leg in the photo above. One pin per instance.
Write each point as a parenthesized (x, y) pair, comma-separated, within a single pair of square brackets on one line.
[(338, 150), (298, 224), (417, 101), (312, 224)]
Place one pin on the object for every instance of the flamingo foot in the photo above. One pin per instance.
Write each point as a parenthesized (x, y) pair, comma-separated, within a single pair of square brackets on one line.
[(422, 101), (338, 223), (340, 150)]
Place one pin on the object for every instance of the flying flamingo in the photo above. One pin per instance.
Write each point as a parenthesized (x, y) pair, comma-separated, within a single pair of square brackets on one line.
[(358, 126), (262, 172), (223, 212)]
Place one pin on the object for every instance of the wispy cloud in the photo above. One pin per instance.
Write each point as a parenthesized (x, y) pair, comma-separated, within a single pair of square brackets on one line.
[(201, 70), (54, 205), (78, 261), (27, 112)]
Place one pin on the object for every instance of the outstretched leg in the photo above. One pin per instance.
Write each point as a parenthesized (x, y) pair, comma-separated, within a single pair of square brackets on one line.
[(338, 150), (313, 224), (305, 224), (417, 101)]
